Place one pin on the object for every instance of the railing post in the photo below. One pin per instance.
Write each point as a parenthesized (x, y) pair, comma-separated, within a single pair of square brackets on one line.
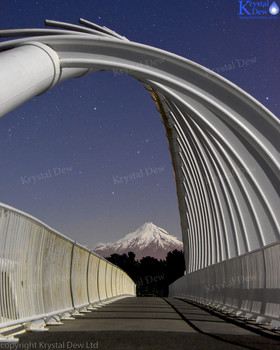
[(88, 278), (70, 280), (98, 287)]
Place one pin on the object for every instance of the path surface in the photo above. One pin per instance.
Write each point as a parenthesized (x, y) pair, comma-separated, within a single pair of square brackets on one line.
[(146, 323)]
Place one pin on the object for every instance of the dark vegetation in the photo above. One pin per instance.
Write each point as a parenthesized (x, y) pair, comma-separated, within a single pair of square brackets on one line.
[(152, 276)]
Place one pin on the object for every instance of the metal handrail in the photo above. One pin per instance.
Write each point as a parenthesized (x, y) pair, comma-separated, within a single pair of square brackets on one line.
[(44, 273)]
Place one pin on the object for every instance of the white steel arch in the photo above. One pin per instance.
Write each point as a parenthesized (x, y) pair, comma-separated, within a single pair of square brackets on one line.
[(224, 144)]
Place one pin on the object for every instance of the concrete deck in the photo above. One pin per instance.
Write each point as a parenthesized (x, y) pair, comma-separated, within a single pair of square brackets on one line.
[(146, 323)]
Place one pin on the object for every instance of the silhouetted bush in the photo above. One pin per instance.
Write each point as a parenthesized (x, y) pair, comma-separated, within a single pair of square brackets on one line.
[(152, 276)]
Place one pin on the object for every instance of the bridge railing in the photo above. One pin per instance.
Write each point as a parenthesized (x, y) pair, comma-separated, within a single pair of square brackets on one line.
[(45, 274), (247, 285)]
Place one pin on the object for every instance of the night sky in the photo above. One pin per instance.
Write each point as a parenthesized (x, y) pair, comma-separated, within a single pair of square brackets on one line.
[(87, 133)]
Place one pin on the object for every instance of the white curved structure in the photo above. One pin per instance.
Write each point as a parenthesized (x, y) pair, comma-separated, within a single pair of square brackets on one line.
[(224, 144), (45, 277)]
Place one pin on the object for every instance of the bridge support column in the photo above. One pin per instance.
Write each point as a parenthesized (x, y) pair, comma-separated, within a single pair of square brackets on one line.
[(26, 71)]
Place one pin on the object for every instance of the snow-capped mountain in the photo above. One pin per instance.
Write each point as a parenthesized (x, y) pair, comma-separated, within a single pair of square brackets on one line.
[(147, 240)]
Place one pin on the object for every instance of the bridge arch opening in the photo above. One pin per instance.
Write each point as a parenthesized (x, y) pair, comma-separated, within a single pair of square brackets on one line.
[(225, 153), (106, 154)]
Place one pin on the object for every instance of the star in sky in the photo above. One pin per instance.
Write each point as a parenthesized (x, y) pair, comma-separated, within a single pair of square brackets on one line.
[(82, 108)]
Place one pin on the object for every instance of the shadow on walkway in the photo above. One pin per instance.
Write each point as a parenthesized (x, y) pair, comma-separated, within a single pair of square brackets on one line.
[(146, 323)]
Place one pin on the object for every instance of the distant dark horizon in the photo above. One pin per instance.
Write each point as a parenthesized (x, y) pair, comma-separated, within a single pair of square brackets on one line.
[(90, 157), (151, 276)]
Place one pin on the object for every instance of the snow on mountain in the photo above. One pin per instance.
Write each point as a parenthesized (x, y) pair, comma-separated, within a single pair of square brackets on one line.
[(147, 240)]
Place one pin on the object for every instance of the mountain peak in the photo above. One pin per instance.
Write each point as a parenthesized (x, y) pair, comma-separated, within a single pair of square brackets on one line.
[(148, 239), (149, 224)]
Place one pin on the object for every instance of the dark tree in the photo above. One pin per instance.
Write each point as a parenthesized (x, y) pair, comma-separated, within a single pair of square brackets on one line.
[(175, 266), (126, 263), (152, 277)]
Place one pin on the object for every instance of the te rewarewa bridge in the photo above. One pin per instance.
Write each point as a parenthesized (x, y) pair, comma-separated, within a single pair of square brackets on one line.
[(224, 148)]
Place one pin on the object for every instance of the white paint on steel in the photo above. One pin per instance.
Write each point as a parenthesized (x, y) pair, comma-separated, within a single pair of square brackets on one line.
[(247, 285), (43, 273), (224, 144), (26, 72)]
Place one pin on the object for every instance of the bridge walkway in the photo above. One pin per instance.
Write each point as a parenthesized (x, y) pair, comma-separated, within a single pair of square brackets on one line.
[(148, 323)]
